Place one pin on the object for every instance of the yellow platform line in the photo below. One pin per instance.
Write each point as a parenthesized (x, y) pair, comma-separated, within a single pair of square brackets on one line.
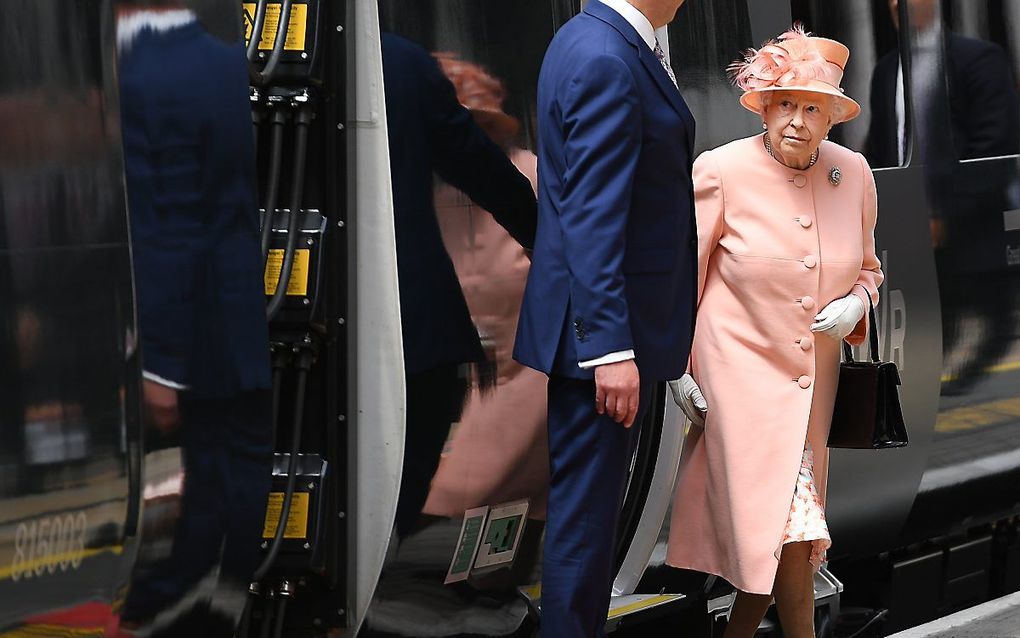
[(1009, 366), (53, 559), (642, 604), (54, 631), (978, 416)]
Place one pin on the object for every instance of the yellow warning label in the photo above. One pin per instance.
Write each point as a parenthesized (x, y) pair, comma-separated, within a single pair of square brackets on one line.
[(297, 519), (298, 284), (296, 27)]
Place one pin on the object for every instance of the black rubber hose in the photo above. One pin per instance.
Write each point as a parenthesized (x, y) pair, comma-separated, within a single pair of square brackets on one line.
[(277, 388), (295, 445), (267, 621), (256, 30), (293, 227), (265, 76), (277, 120), (245, 626), (281, 609)]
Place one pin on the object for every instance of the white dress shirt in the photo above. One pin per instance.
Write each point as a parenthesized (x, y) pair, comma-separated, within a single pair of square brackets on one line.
[(155, 378), (635, 18), (644, 28)]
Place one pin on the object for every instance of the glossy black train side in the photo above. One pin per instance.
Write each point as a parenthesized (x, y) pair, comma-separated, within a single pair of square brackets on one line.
[(936, 521), (69, 420)]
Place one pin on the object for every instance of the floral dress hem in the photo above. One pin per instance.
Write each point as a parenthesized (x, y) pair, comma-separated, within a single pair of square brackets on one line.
[(807, 514)]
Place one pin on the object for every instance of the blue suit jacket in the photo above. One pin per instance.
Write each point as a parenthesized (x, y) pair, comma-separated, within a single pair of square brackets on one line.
[(431, 133), (189, 164), (615, 261)]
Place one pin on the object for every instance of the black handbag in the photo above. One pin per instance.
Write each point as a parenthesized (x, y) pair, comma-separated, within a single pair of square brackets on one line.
[(867, 414)]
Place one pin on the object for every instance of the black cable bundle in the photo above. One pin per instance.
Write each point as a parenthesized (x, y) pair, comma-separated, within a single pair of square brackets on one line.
[(303, 119)]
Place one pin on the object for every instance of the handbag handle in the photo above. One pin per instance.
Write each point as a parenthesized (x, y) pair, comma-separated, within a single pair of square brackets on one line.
[(848, 354)]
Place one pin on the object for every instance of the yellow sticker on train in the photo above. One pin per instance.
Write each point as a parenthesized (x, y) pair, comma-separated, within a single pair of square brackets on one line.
[(297, 519), (298, 284), (297, 26)]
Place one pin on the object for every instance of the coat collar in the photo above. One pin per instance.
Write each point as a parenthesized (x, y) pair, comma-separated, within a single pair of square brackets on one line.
[(601, 12)]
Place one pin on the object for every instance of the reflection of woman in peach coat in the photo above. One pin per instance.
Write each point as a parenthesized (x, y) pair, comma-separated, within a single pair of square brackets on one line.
[(786, 264), (497, 452)]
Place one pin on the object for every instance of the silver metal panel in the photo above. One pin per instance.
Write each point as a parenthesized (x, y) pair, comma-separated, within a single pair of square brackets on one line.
[(378, 412), (657, 504)]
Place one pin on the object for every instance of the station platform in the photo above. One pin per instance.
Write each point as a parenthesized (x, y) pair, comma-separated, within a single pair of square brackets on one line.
[(998, 618)]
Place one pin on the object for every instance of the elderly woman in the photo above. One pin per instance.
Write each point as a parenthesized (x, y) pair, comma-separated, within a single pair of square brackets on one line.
[(786, 267)]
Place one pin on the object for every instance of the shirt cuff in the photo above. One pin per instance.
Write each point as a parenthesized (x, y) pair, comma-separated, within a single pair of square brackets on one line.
[(612, 357), (155, 378)]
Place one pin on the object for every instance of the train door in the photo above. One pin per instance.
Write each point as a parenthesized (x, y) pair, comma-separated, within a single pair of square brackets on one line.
[(967, 127), (465, 557)]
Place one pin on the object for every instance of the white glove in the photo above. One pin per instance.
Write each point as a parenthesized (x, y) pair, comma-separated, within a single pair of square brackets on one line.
[(688, 396), (839, 318)]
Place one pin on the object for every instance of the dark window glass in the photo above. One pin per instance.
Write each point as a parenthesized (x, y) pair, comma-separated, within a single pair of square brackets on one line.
[(703, 40), (867, 27), (981, 41)]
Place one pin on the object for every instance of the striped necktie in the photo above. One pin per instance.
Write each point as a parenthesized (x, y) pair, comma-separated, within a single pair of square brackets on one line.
[(662, 60)]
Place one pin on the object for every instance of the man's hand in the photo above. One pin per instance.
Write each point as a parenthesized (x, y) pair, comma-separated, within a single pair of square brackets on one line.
[(617, 386), (161, 406)]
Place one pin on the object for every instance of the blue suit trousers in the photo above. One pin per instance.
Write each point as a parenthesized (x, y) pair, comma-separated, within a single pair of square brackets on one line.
[(589, 458)]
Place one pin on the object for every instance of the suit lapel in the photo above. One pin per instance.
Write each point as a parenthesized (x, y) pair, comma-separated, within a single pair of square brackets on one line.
[(668, 89), (651, 63)]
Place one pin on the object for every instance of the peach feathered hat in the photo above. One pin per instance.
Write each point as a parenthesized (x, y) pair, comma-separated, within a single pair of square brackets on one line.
[(796, 61)]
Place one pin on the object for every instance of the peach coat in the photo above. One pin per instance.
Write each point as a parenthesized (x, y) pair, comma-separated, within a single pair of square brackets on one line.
[(775, 246)]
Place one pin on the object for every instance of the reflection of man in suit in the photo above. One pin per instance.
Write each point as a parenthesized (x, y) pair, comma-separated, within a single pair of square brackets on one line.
[(609, 305), (190, 174), (966, 107), (431, 133)]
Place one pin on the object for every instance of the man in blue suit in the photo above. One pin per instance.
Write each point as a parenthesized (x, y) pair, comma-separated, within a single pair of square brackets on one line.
[(609, 306), (190, 177)]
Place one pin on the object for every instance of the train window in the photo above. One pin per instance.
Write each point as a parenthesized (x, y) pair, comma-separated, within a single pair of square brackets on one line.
[(982, 51), (703, 39), (869, 29)]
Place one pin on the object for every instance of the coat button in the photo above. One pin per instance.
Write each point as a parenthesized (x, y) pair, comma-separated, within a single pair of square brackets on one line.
[(805, 222), (807, 303), (806, 343), (810, 261), (804, 382), (799, 181)]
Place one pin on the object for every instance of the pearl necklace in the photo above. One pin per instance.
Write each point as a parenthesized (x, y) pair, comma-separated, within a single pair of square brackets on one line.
[(768, 147)]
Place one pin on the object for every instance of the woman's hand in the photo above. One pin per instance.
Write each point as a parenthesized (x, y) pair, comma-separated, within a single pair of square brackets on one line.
[(839, 318), (688, 396)]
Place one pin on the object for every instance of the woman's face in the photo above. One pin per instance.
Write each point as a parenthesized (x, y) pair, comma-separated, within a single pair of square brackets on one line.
[(797, 123)]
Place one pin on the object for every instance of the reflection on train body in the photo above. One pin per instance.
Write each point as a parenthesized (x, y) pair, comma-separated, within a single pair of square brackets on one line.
[(489, 446), (67, 355)]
